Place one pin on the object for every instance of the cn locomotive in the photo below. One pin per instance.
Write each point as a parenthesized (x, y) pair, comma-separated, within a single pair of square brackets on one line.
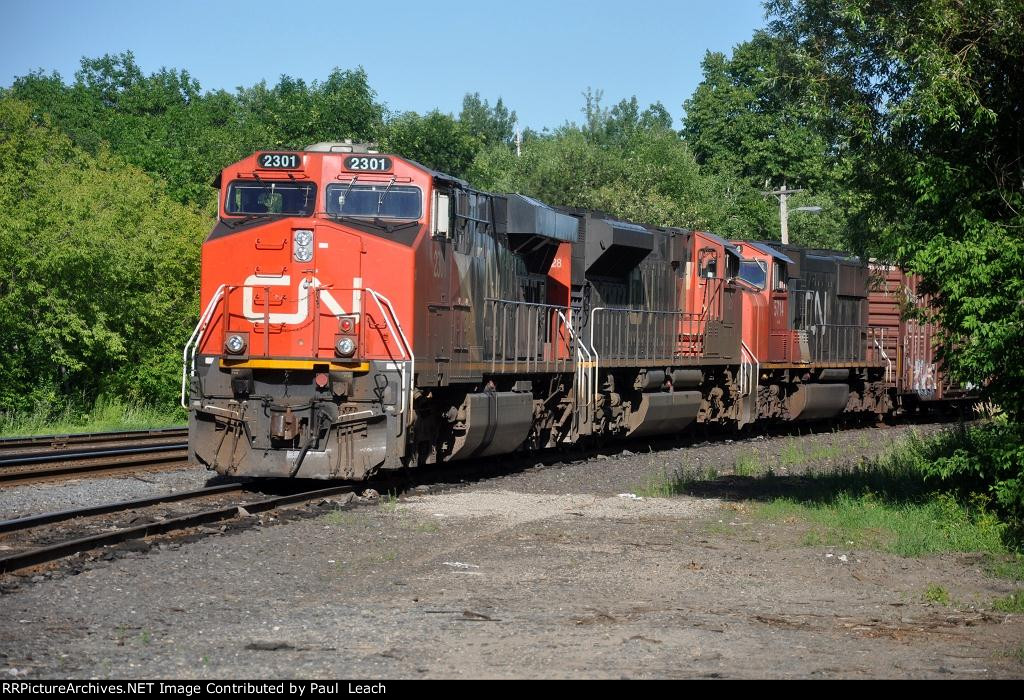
[(362, 312)]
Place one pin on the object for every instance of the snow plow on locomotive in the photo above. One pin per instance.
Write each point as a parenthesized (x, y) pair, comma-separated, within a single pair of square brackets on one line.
[(362, 312)]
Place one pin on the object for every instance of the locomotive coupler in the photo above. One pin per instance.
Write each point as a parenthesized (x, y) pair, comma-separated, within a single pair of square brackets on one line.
[(284, 426)]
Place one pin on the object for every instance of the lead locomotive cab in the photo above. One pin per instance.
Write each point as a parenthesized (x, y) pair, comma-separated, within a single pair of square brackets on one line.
[(302, 363)]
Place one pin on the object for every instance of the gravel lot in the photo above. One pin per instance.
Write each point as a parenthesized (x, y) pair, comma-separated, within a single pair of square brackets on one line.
[(555, 571)]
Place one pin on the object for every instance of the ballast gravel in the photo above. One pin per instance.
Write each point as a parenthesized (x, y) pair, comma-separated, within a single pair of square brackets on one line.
[(31, 499), (567, 570)]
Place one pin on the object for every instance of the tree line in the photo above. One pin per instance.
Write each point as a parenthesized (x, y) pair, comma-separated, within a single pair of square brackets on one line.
[(900, 120)]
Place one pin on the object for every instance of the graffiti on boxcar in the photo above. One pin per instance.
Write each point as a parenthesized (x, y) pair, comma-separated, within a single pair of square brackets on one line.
[(923, 379)]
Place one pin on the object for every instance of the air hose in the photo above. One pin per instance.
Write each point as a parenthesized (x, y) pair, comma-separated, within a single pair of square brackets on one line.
[(318, 418)]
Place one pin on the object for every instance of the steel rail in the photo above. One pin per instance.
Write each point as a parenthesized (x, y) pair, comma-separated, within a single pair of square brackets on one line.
[(98, 452), (60, 516), (166, 457), (42, 555), (63, 439)]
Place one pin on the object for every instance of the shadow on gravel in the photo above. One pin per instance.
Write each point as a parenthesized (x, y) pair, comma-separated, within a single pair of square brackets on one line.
[(916, 498), (905, 474), (437, 477), (944, 477), (809, 488)]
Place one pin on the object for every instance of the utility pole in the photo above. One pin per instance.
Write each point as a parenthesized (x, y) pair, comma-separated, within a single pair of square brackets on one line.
[(783, 195)]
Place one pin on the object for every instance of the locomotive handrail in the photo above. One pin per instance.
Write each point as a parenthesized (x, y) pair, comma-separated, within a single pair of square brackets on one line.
[(586, 369), (829, 340), (835, 342), (697, 324), (523, 336), (378, 298), (189, 358), (881, 350), (713, 297), (407, 381), (593, 349), (749, 380), (387, 314)]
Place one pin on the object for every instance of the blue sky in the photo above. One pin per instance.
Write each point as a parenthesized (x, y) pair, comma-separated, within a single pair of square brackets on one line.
[(538, 56)]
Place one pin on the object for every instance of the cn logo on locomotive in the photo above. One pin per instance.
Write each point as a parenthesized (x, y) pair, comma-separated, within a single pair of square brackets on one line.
[(302, 309)]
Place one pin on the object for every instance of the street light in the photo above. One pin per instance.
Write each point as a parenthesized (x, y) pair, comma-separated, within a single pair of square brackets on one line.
[(783, 195)]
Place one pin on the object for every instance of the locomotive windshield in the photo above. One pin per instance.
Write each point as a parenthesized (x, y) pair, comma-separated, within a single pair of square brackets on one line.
[(382, 200), (262, 197), (754, 272)]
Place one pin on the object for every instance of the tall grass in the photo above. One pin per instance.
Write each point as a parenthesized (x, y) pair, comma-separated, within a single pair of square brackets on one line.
[(105, 414)]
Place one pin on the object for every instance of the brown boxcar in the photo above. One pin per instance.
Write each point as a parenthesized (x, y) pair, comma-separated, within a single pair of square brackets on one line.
[(907, 344)]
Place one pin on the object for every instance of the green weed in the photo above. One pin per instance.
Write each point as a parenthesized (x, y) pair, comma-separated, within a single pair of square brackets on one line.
[(344, 518), (936, 594), (1009, 566), (792, 453), (427, 527), (389, 502), (910, 529), (679, 481), (1013, 603), (385, 556), (747, 464)]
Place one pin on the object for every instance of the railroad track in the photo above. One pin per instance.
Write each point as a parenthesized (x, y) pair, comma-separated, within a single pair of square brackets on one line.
[(35, 546), (25, 460), (60, 441)]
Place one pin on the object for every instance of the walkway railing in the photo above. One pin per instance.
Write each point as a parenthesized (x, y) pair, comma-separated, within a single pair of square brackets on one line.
[(633, 336), (523, 337)]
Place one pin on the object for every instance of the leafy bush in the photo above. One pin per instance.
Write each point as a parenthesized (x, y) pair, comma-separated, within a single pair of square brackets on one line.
[(987, 458)]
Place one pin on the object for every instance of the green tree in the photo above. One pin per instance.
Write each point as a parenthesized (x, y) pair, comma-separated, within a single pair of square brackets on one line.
[(928, 96), (436, 140), (754, 119), (619, 161), (160, 123), (620, 123), (294, 114), (489, 125), (99, 289), (165, 124)]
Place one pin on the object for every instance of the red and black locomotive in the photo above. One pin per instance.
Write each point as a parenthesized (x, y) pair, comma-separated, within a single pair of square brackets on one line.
[(362, 312)]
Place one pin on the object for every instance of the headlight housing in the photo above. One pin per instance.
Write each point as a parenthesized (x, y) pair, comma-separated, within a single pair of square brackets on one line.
[(346, 347), (302, 245), (235, 343)]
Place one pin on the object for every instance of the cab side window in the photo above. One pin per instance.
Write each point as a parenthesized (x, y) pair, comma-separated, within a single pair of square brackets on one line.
[(708, 263), (779, 276)]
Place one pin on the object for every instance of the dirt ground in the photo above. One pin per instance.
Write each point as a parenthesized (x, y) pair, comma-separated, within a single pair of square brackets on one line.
[(557, 571)]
